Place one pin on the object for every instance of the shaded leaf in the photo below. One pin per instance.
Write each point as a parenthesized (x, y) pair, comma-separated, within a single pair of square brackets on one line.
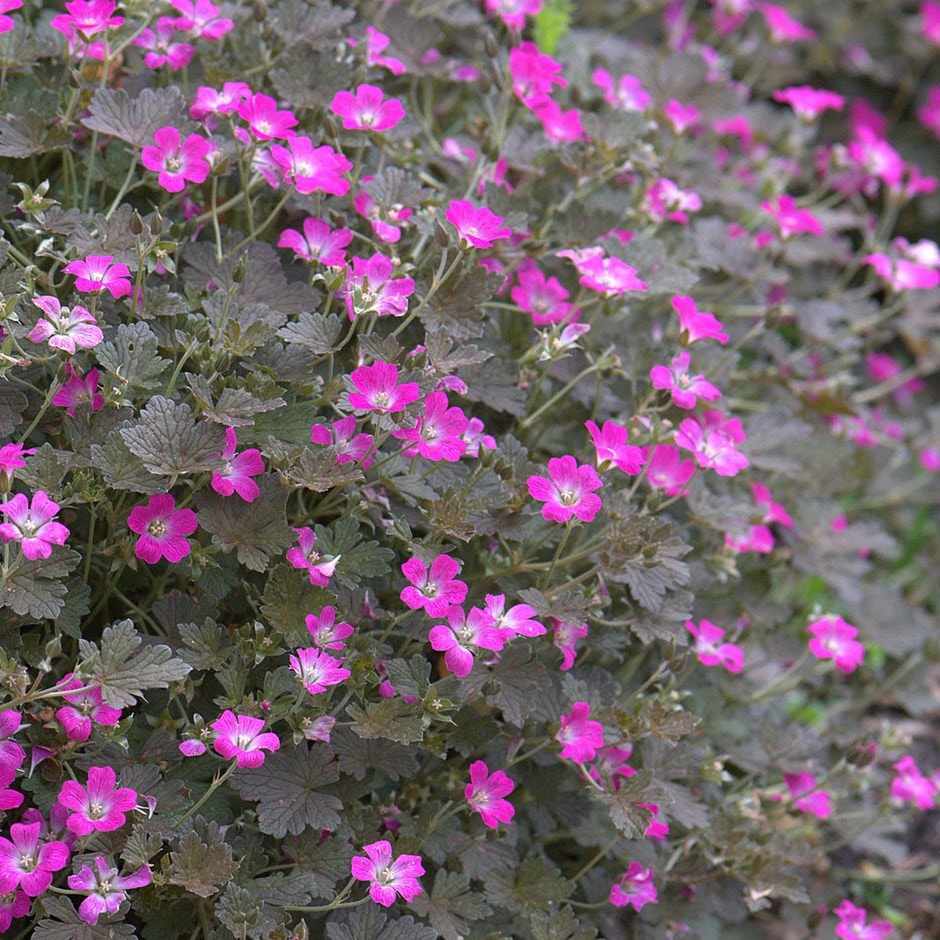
[(522, 684), (37, 587), (559, 925), (123, 470), (451, 906), (358, 756), (135, 120), (531, 887), (301, 467), (390, 718), (370, 923), (313, 331), (202, 867), (12, 405), (26, 134), (236, 407), (496, 385), (64, 923)]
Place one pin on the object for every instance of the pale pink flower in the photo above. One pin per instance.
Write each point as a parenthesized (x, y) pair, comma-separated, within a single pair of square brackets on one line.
[(209, 102), (162, 529), (350, 446), (709, 648), (318, 243), (161, 49), (543, 298), (565, 637), (265, 121), (628, 93), (318, 670), (386, 222), (388, 877), (32, 524), (97, 273), (326, 633), (806, 796), (711, 447), (834, 639), (696, 324), (902, 274), (65, 328), (911, 785), (377, 389), (680, 116), (485, 793), (83, 708), (242, 737), (312, 169), (634, 888), (27, 863), (367, 109), (567, 491), (106, 890), (807, 102), (434, 590), (479, 227), (86, 18), (605, 274), (438, 433), (517, 621), (513, 12), (579, 736), (559, 125), (238, 470), (477, 439), (878, 160), (465, 634), (376, 44), (853, 924), (665, 470), (11, 458), (100, 806), (304, 555), (664, 201), (685, 389)]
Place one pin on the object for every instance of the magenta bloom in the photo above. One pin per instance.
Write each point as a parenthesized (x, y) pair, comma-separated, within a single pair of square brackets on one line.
[(783, 27), (86, 18), (533, 73), (317, 670), (680, 116), (610, 444), (807, 797), (79, 391), (17, 903), (712, 448), (318, 243), (466, 633), (210, 102), (517, 621), (628, 94), (853, 924), (388, 878), (579, 736), (911, 785), (312, 169), (82, 709), (326, 633), (33, 525), (12, 754), (377, 389), (665, 471), (543, 298), (11, 458), (106, 889), (367, 109), (97, 273), (485, 793), (263, 118), (791, 220), (235, 476), (177, 163), (697, 324), (634, 888), (242, 737), (28, 863), (6, 24), (513, 12), (709, 648), (567, 491), (479, 227), (807, 102), (370, 288), (99, 807), (834, 639), (436, 590), (350, 446), (64, 328), (161, 49), (438, 433), (376, 44), (201, 19), (305, 555), (606, 275), (162, 529), (565, 637), (685, 389)]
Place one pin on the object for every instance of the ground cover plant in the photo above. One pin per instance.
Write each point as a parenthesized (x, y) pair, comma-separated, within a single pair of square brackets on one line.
[(469, 470)]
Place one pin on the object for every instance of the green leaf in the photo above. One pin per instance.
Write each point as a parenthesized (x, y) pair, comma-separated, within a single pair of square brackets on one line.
[(532, 887), (37, 588), (313, 331), (288, 787), (671, 726), (141, 847), (559, 925), (300, 467), (410, 677), (12, 405), (26, 134), (391, 718), (256, 530), (551, 23), (124, 669), (45, 470), (202, 867), (370, 923), (76, 606), (358, 756), (67, 925), (132, 356), (290, 424), (628, 818), (207, 646), (134, 120), (451, 907), (359, 559), (522, 684), (123, 470), (236, 407), (457, 307), (495, 384), (239, 910), (168, 440)]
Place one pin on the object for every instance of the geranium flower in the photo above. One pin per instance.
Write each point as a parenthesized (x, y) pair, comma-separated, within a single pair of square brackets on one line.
[(476, 226), (438, 433), (107, 890), (6, 24), (567, 491), (485, 793), (98, 272), (367, 109), (476, 438), (558, 125), (534, 73), (86, 18), (235, 476), (370, 288), (326, 633), (791, 220), (317, 670), (350, 446), (565, 636), (544, 299), (12, 754), (11, 458), (318, 243), (177, 163), (853, 924), (579, 736), (685, 389), (806, 796), (665, 471), (435, 590), (782, 26), (634, 888), (465, 633), (807, 102), (304, 555), (312, 169), (712, 448), (33, 525), (28, 863), (664, 201), (680, 116), (242, 737), (628, 93), (911, 785), (83, 708), (209, 102), (709, 648), (517, 621), (16, 903), (100, 806), (834, 639), (162, 529), (388, 877), (265, 121), (161, 50), (386, 221), (376, 44), (606, 275), (514, 12), (201, 18), (65, 328), (79, 391), (697, 324), (377, 389)]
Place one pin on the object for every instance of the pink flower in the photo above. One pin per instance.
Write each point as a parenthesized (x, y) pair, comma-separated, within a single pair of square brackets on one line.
[(466, 632), (235, 476), (877, 159), (680, 116), (27, 863), (99, 807), (367, 109), (32, 525), (478, 227), (852, 924), (79, 391), (438, 433), (97, 273), (209, 102), (579, 736), (177, 164), (350, 446), (386, 222), (318, 670), (517, 621), (543, 298), (485, 793), (264, 119), (12, 754), (628, 94), (567, 491), (606, 275), (476, 439), (83, 708), (377, 389), (772, 512), (665, 471), (808, 103), (305, 555), (513, 12), (242, 737), (312, 169), (319, 729), (634, 888), (201, 18), (376, 44), (370, 288), (16, 903), (664, 201), (65, 328), (435, 590), (791, 220), (807, 797), (713, 448), (834, 639), (911, 785), (318, 243), (162, 529), (6, 24), (902, 274), (388, 878), (697, 324), (86, 18), (566, 636), (11, 458), (930, 21), (709, 648), (533, 73), (559, 125), (161, 50), (326, 633), (783, 27), (685, 389), (107, 890)]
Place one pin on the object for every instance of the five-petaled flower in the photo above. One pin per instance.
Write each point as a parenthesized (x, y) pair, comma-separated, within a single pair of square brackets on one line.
[(65, 328), (911, 785), (579, 736), (610, 444), (634, 888), (853, 924), (479, 227), (485, 793), (305, 555), (435, 590), (807, 796), (388, 877), (100, 272), (27, 861), (162, 529), (709, 648), (237, 470), (83, 708), (367, 109), (834, 639), (317, 670), (105, 888), (32, 524), (685, 389), (567, 491), (377, 389), (99, 807), (465, 633), (177, 163), (438, 433), (243, 737)]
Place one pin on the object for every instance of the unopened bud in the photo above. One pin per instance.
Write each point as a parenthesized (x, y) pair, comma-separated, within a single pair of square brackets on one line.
[(490, 45)]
